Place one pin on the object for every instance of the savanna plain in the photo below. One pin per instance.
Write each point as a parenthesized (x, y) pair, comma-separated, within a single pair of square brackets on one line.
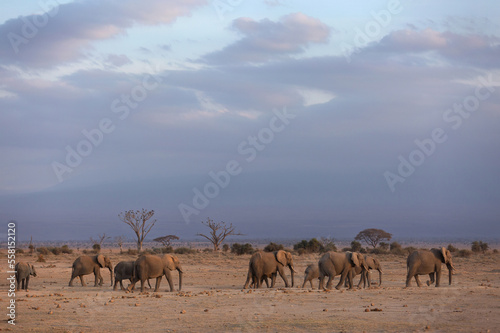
[(212, 299)]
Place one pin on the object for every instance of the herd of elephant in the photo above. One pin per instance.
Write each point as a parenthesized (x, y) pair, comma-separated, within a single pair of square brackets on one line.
[(262, 266)]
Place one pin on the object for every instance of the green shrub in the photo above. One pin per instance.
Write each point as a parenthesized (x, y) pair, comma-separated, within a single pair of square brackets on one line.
[(378, 250), (132, 252), (43, 250), (464, 253), (495, 251), (356, 246), (65, 249), (163, 250), (225, 247), (240, 249), (311, 246), (409, 250), (96, 247), (184, 250), (55, 250), (271, 247), (479, 246), (452, 249), (384, 246)]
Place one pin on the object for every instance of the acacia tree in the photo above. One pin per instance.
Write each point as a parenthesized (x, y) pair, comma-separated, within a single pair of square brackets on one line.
[(138, 221), (97, 243), (373, 236), (218, 232), (119, 241), (165, 240)]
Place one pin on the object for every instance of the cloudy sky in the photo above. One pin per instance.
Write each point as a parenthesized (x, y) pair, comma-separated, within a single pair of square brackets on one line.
[(286, 118)]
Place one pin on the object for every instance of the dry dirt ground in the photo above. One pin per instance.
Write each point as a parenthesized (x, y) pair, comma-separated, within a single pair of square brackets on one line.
[(212, 300)]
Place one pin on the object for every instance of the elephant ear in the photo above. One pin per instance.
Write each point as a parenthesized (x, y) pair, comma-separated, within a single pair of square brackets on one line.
[(281, 257), (353, 258), (170, 262), (101, 260), (446, 255)]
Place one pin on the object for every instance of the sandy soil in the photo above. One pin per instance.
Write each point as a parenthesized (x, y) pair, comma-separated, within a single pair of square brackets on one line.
[(212, 300)]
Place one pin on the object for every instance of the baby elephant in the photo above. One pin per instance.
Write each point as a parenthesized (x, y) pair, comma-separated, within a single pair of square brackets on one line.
[(311, 273), (23, 272), (124, 270)]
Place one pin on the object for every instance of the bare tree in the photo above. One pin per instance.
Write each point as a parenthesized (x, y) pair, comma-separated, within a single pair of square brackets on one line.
[(373, 236), (97, 243), (138, 221), (166, 240), (119, 241), (31, 246), (218, 232)]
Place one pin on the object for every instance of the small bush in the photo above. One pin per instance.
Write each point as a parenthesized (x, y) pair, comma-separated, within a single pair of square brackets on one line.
[(378, 250), (479, 246), (96, 247), (383, 246), (66, 250), (43, 250), (463, 253), (225, 247), (451, 248), (163, 250), (271, 247), (41, 258), (409, 250), (240, 249), (184, 250), (311, 246), (355, 246), (495, 251), (19, 251), (55, 250), (131, 252)]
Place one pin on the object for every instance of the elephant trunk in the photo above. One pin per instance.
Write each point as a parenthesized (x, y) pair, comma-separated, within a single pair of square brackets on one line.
[(180, 279), (292, 272), (379, 277)]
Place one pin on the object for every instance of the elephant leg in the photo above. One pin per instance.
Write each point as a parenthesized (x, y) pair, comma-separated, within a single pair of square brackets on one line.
[(82, 281), (283, 276), (27, 281), (22, 284), (267, 281), (157, 285), (329, 282), (410, 274), (361, 279), (149, 284), (438, 277), (417, 280), (368, 278), (168, 276), (321, 282), (431, 279), (343, 276)]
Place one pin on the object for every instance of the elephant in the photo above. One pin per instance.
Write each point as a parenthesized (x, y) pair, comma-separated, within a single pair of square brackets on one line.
[(423, 262), (311, 273), (23, 273), (268, 264), (372, 263), (333, 263), (150, 266), (85, 265), (124, 270)]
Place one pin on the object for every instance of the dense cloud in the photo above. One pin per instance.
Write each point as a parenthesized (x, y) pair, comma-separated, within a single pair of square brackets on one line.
[(166, 129)]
